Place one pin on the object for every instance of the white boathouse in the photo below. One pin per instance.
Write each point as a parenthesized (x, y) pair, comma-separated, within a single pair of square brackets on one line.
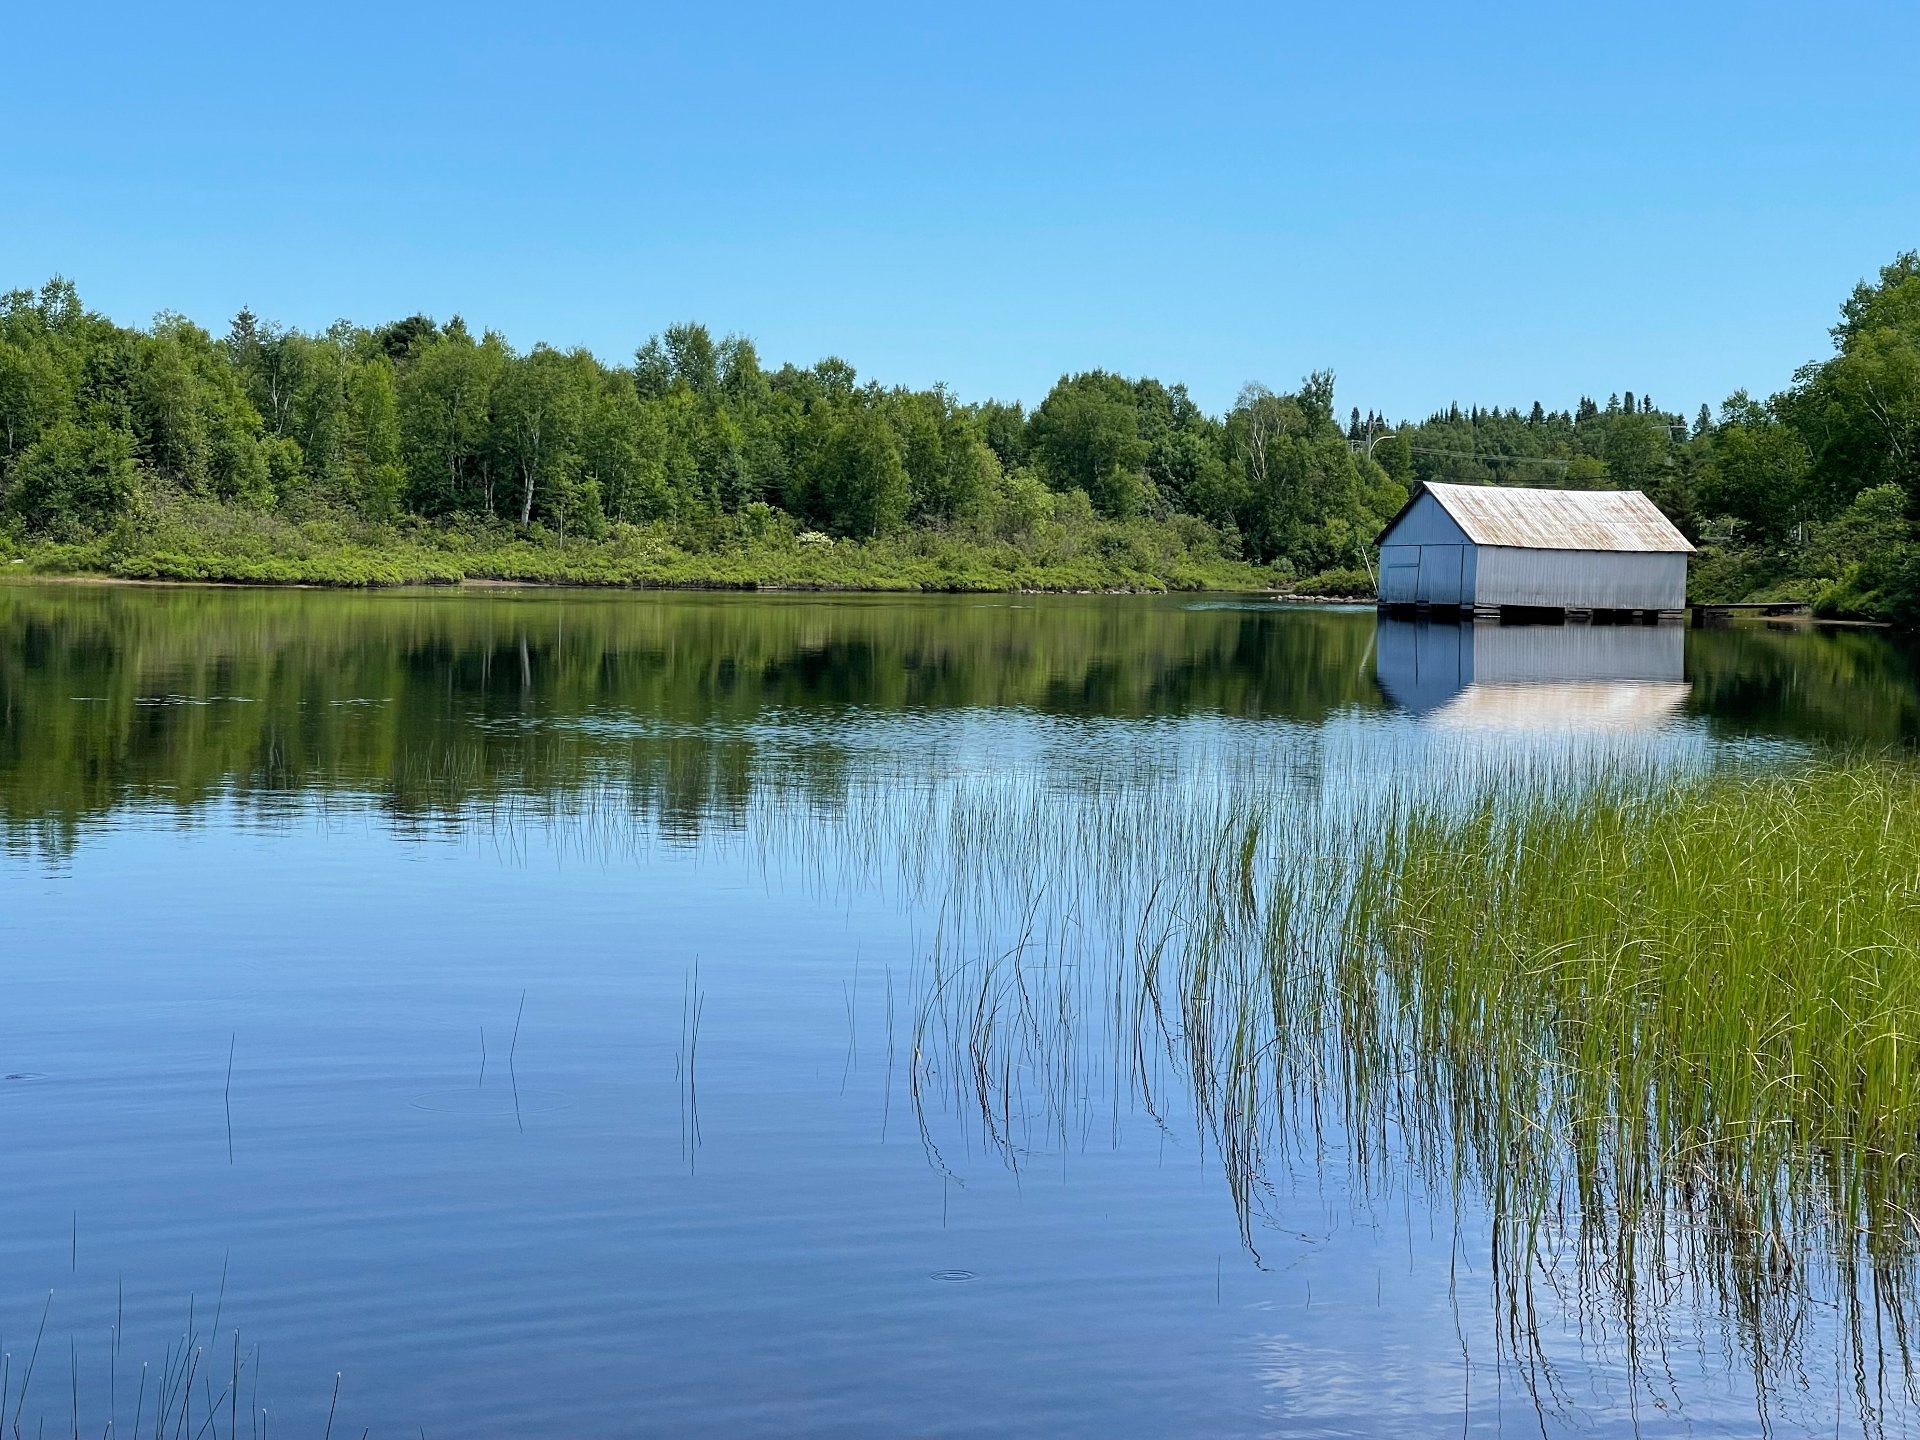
[(1480, 549)]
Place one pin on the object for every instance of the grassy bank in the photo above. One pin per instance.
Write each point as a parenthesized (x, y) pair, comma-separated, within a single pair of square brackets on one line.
[(202, 541)]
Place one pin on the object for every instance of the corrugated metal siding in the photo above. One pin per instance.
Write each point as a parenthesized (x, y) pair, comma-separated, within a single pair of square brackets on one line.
[(1425, 521), (1509, 654), (1442, 568), (1399, 574), (1580, 579), (1622, 520), (1425, 574)]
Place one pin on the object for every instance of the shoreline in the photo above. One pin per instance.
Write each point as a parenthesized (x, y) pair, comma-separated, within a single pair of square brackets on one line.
[(482, 583), (745, 587)]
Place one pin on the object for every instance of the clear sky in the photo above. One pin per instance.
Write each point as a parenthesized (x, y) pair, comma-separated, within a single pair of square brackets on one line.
[(1483, 203)]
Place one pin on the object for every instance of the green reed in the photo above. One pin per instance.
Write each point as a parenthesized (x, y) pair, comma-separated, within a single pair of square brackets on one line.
[(1663, 1030), (1684, 1011)]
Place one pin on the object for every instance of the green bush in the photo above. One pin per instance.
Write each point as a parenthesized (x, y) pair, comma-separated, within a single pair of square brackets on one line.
[(1347, 584), (169, 537), (73, 479)]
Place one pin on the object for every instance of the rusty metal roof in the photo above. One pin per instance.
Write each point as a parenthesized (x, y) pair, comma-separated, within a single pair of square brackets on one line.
[(1529, 519)]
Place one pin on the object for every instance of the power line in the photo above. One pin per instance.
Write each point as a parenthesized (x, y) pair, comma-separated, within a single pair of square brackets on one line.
[(1495, 456), (1483, 455)]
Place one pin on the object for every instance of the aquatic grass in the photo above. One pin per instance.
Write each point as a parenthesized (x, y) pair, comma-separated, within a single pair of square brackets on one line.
[(1659, 1028), (1687, 1012), (175, 1412)]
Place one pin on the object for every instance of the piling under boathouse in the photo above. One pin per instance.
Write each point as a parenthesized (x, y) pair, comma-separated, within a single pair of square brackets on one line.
[(1488, 550)]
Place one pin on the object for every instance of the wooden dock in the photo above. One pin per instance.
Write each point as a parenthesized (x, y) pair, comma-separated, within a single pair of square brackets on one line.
[(1706, 614)]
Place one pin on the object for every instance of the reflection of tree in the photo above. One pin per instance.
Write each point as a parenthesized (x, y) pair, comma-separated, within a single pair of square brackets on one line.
[(1839, 686), (432, 703)]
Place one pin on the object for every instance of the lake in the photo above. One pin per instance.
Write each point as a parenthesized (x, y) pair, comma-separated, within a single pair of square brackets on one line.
[(545, 1012)]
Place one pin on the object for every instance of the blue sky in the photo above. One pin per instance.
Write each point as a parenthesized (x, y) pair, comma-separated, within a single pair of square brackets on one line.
[(1485, 203)]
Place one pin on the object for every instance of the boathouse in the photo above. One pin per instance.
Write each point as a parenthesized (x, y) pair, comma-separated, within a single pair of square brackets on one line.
[(1487, 549)]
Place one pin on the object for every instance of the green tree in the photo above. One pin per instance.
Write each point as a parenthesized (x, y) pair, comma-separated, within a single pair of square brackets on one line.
[(1022, 505), (621, 441), (1297, 473), (444, 397), (1586, 472), (1635, 450), (33, 394), (1891, 302), (1394, 453), (1189, 474), (1086, 436), (694, 357), (192, 420), (373, 439), (862, 482), (1004, 428), (75, 477), (536, 404), (1756, 472)]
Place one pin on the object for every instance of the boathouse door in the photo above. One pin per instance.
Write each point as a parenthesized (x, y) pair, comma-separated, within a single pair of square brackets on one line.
[(1442, 572)]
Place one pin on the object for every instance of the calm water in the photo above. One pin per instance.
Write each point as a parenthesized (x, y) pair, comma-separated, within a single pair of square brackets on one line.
[(539, 1011)]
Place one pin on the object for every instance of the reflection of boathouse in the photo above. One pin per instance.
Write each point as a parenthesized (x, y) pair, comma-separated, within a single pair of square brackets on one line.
[(1485, 549), (1534, 677)]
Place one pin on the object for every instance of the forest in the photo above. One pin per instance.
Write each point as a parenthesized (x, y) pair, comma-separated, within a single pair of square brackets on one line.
[(418, 450)]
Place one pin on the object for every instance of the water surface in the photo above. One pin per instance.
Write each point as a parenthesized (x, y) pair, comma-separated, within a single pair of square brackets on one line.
[(543, 1011)]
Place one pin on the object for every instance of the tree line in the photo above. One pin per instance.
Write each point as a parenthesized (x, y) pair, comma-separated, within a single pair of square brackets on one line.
[(429, 420), (1810, 493)]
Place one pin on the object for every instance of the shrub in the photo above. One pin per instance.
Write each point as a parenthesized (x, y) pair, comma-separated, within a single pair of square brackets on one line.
[(1337, 584)]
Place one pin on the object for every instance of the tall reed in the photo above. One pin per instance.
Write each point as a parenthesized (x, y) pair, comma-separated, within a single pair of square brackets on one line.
[(1685, 1012), (1662, 1029)]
